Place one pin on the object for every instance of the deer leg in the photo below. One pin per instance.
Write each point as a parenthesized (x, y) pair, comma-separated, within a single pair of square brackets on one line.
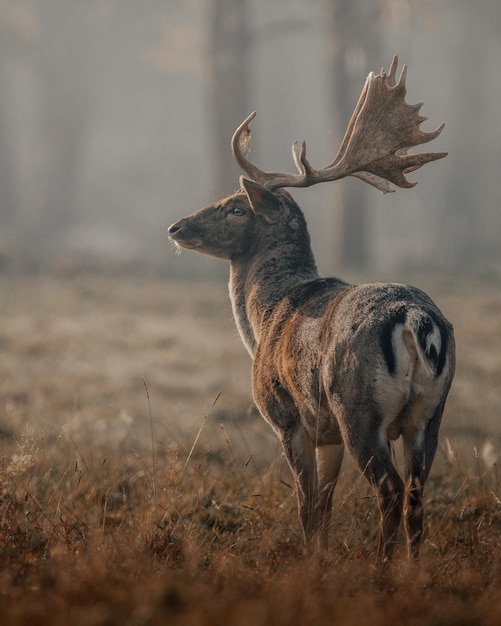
[(300, 454), (329, 459), (377, 467), (419, 451), (390, 492)]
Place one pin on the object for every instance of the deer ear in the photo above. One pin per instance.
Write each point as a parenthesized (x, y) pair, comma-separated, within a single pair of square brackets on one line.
[(264, 202)]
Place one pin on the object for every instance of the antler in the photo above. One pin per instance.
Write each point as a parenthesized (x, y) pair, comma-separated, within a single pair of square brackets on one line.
[(381, 130)]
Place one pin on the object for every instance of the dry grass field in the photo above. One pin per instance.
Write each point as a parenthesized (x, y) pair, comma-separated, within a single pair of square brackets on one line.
[(138, 486)]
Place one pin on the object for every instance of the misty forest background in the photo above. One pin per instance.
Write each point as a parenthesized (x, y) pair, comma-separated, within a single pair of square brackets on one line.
[(115, 121), (116, 116)]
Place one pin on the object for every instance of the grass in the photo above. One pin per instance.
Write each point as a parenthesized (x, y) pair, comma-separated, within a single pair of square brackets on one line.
[(138, 486)]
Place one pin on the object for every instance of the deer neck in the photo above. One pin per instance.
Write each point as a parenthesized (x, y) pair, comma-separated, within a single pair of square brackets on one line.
[(260, 280)]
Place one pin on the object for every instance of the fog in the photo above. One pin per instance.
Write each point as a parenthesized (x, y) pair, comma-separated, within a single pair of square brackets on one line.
[(114, 115)]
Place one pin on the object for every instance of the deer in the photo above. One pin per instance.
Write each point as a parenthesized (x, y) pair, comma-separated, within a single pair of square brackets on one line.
[(335, 365)]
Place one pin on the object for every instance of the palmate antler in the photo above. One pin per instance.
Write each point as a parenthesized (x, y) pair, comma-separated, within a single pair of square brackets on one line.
[(381, 130)]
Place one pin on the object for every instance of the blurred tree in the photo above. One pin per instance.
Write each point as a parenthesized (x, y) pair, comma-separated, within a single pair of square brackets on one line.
[(7, 181), (18, 33), (353, 42), (63, 68), (464, 232), (229, 77)]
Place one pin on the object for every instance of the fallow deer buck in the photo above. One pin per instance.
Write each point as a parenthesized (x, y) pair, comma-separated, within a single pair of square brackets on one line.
[(335, 364)]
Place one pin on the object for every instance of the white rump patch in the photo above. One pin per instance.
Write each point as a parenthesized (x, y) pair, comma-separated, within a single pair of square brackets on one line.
[(433, 339), (413, 380)]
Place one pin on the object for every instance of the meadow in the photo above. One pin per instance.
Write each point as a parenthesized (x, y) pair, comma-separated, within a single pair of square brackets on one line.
[(139, 486)]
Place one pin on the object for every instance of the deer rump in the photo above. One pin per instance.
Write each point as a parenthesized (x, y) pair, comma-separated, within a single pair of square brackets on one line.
[(340, 359)]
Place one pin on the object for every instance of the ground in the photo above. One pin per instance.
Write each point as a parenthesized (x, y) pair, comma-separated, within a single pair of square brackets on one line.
[(139, 486)]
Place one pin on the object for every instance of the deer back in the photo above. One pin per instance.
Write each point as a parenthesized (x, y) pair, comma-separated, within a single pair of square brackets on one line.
[(339, 356)]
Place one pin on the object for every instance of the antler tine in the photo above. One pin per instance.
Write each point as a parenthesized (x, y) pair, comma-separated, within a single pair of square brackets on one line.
[(303, 166), (298, 156), (381, 130), (240, 145), (390, 78)]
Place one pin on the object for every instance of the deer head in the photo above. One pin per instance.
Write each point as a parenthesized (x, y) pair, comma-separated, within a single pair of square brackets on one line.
[(241, 224)]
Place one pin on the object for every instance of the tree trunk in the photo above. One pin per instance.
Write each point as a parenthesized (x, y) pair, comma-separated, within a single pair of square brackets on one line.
[(229, 77), (8, 200), (352, 44)]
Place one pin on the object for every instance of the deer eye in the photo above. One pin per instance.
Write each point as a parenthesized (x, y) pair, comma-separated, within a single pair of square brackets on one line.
[(236, 211)]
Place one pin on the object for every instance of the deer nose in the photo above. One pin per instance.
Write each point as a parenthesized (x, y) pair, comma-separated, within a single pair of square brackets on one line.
[(173, 228)]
